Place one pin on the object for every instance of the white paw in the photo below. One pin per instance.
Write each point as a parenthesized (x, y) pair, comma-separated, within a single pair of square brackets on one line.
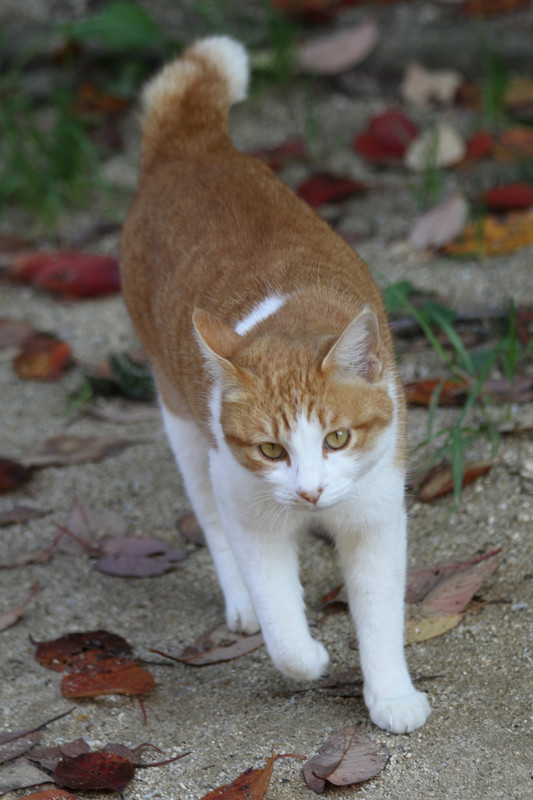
[(240, 616), (399, 714), (303, 662)]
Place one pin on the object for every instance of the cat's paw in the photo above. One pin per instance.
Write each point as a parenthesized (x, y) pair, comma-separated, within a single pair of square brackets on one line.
[(399, 714), (305, 662), (240, 616)]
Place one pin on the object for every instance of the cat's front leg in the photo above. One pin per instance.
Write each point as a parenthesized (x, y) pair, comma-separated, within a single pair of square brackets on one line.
[(373, 561), (264, 543)]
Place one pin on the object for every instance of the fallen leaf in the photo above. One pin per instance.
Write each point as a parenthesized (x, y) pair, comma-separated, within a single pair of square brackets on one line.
[(18, 746), (9, 736), (519, 390), (91, 99), (14, 332), (421, 392), (72, 649), (422, 580), (250, 785), (71, 275), (136, 556), (48, 757), (99, 770), (508, 197), (9, 618), (421, 86), (524, 324), (216, 646), (479, 145), (121, 677), (133, 413), (441, 224), (33, 557), (519, 94), (487, 8), (190, 529), (422, 628), (347, 757), (89, 525), (279, 156), (386, 137), (514, 145), (439, 480), (338, 52), (21, 774), (65, 450), (19, 514), (439, 147), (324, 188), (43, 358), (494, 236), (456, 588), (54, 793), (13, 474), (310, 12)]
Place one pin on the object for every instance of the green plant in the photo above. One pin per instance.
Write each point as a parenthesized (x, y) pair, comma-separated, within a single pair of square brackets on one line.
[(470, 370), (45, 165), (493, 88)]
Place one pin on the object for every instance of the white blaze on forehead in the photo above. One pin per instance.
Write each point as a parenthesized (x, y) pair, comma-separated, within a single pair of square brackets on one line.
[(307, 459), (260, 312)]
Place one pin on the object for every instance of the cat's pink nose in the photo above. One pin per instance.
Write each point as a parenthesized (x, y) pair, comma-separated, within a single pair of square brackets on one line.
[(311, 496)]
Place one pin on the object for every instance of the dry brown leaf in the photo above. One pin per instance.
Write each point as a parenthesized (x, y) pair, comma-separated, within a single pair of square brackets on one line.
[(441, 146), (421, 86), (421, 628), (439, 480), (338, 52), (189, 527), (19, 514), (89, 525), (250, 785), (456, 588), (347, 757), (441, 224), (136, 556), (64, 450), (8, 618), (21, 774), (217, 645)]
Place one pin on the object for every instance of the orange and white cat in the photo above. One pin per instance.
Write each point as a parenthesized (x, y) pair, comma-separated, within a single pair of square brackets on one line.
[(276, 375)]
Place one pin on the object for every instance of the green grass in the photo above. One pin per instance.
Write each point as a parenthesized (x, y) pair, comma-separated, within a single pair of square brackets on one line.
[(453, 442)]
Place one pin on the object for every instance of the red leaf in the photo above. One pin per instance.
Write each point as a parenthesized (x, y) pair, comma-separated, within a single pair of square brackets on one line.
[(250, 785), (325, 188), (60, 654), (13, 474), (95, 771), (71, 275), (479, 145), (510, 196), (42, 358), (122, 677), (439, 480), (278, 157), (386, 137), (421, 392)]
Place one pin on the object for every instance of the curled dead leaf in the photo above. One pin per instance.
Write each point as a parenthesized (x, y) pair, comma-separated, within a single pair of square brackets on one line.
[(347, 757), (338, 52), (440, 225)]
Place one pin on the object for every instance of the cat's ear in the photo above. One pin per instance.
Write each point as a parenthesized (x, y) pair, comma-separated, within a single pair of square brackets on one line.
[(217, 340), (355, 353)]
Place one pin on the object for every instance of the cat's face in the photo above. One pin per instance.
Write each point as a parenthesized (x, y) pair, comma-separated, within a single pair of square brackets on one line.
[(307, 434)]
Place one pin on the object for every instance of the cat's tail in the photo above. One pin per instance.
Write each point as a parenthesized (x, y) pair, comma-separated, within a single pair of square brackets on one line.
[(186, 105)]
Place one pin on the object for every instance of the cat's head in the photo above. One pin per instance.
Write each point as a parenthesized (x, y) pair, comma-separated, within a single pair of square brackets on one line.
[(308, 417)]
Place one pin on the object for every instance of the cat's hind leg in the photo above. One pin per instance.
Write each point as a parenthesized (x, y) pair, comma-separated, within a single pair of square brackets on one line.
[(190, 449)]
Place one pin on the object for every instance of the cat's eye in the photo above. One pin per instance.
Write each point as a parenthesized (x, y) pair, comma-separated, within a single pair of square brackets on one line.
[(336, 440), (272, 450)]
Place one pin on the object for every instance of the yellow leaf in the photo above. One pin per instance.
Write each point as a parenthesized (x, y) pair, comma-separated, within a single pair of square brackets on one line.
[(494, 236), (420, 629)]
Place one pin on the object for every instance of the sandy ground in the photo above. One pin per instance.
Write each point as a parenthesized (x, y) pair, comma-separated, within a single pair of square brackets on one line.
[(477, 742)]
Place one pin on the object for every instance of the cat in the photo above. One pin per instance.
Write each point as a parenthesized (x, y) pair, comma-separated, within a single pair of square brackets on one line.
[(275, 371)]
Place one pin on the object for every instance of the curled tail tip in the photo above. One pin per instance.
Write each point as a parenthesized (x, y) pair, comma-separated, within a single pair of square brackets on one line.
[(230, 58), (226, 55)]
